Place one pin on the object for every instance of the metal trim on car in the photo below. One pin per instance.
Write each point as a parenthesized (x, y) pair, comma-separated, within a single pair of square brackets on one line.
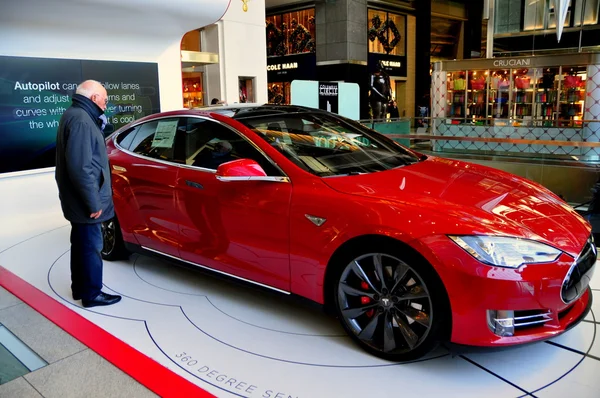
[(584, 251), (215, 270), (253, 178), (114, 139)]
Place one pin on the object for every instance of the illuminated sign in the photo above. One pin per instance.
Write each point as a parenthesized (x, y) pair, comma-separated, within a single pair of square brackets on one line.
[(391, 64), (503, 63), (285, 66)]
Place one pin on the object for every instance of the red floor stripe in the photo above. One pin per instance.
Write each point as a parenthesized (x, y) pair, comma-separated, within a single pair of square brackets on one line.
[(146, 371)]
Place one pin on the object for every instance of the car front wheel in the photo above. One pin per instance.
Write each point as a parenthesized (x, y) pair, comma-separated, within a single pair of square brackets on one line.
[(391, 304), (113, 246)]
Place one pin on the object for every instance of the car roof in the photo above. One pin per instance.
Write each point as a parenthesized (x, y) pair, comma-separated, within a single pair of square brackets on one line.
[(241, 111), (235, 111)]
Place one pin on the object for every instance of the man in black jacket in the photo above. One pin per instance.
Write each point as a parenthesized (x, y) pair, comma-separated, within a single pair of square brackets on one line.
[(83, 179)]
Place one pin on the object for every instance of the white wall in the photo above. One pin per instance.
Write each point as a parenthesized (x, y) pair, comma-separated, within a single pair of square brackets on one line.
[(242, 50), (109, 30), (212, 80)]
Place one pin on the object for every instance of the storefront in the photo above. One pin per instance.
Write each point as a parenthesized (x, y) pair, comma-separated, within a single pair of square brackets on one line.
[(291, 52), (541, 98)]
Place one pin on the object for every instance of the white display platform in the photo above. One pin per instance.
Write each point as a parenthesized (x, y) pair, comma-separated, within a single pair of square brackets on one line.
[(233, 340)]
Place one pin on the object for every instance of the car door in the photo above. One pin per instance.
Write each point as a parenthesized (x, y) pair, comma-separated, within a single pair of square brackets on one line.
[(151, 174), (240, 228)]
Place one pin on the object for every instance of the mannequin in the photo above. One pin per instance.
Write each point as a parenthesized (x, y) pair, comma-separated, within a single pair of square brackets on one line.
[(380, 93)]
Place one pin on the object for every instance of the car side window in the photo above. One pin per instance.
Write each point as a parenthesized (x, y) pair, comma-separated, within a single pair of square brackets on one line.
[(209, 144), (160, 139), (125, 138)]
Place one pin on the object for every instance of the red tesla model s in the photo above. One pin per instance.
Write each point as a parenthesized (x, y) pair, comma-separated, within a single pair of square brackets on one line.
[(408, 250)]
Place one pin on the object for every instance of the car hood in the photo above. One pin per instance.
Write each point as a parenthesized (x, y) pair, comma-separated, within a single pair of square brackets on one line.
[(484, 200)]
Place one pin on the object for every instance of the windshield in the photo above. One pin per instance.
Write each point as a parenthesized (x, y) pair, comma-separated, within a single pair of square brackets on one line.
[(328, 145)]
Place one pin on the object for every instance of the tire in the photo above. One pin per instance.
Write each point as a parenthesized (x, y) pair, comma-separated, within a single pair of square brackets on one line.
[(401, 319), (112, 238)]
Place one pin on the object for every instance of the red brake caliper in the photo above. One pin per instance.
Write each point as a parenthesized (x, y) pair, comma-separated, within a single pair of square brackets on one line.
[(366, 300)]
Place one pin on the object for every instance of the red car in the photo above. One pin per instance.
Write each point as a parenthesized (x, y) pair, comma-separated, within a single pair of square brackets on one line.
[(408, 250)]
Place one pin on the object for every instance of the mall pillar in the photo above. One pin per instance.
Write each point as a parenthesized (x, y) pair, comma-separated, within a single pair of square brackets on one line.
[(423, 59), (473, 30), (341, 28)]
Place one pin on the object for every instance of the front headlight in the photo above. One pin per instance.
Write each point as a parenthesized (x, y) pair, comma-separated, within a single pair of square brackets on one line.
[(505, 251)]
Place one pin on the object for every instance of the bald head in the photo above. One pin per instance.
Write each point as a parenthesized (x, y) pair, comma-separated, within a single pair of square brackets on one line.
[(95, 91)]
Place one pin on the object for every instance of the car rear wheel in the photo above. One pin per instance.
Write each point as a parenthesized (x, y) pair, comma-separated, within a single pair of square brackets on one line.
[(391, 304), (113, 245)]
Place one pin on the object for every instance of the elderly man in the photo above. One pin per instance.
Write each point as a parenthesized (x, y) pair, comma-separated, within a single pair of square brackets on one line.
[(83, 179)]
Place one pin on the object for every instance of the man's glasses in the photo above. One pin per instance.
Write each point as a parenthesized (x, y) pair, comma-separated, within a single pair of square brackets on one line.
[(105, 99)]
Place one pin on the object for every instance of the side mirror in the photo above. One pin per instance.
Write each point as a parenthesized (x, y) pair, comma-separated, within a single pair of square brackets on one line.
[(245, 170)]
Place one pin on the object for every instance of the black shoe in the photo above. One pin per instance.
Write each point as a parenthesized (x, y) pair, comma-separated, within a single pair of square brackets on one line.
[(102, 299), (76, 297)]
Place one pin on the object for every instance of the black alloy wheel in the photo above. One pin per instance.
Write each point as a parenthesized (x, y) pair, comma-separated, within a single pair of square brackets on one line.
[(390, 306), (113, 246)]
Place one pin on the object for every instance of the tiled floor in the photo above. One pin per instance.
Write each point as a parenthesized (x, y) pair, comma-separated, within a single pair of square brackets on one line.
[(73, 370)]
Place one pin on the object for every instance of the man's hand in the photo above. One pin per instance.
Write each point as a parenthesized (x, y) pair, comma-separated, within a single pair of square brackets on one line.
[(96, 214)]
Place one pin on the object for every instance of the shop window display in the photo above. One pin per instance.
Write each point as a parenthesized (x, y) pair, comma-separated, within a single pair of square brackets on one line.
[(457, 85), (386, 33), (522, 94), (476, 95), (193, 94), (572, 96), (546, 91), (291, 33), (279, 93)]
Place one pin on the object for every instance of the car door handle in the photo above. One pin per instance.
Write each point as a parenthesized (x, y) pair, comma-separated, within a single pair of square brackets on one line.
[(119, 168), (193, 184)]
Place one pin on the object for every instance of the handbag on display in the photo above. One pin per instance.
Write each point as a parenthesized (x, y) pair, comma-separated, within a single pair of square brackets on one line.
[(572, 81), (503, 84), (522, 82)]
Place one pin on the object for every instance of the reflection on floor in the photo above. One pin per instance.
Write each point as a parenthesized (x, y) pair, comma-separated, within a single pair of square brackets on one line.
[(237, 341)]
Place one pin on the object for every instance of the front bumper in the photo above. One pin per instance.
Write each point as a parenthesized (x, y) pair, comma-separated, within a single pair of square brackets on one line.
[(474, 288)]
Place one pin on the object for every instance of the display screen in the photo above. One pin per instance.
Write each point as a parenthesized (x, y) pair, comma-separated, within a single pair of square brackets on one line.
[(35, 92)]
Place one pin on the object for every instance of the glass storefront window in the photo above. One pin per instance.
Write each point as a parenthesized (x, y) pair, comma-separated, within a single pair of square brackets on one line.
[(291, 33), (193, 94), (549, 96), (457, 90), (534, 15), (545, 100), (589, 15), (499, 94), (279, 93), (552, 15), (476, 96), (572, 96), (541, 14), (508, 16), (387, 33), (522, 95)]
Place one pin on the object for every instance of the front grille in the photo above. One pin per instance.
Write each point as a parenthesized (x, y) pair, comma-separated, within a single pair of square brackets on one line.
[(577, 280), (532, 318)]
